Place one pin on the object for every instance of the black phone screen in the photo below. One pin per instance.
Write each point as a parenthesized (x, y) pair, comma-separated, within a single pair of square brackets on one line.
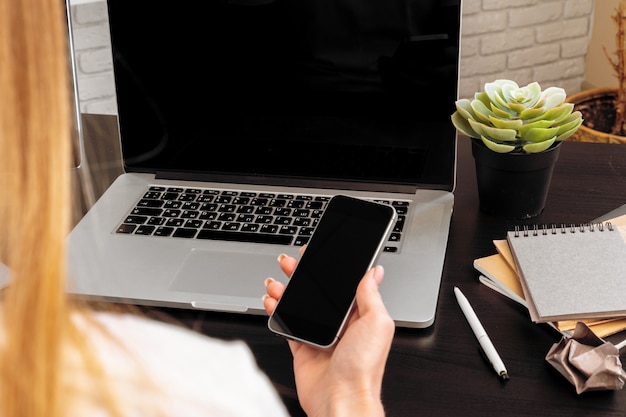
[(321, 291)]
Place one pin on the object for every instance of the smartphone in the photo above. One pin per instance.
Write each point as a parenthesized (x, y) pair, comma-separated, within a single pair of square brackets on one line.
[(320, 294)]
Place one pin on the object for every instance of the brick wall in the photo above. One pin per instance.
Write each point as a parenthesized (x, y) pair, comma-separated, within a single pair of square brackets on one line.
[(92, 50), (523, 40)]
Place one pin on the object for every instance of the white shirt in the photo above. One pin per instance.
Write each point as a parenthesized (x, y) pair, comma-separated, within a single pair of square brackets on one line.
[(158, 369)]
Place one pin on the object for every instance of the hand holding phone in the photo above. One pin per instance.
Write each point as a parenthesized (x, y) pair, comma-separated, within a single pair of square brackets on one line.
[(320, 294)]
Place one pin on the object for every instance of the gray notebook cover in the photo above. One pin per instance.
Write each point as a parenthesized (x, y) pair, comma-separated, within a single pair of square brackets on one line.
[(571, 273)]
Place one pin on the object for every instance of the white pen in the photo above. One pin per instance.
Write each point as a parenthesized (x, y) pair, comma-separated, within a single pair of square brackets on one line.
[(481, 335)]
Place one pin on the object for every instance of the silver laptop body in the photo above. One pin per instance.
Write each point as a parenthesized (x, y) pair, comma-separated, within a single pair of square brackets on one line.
[(184, 82)]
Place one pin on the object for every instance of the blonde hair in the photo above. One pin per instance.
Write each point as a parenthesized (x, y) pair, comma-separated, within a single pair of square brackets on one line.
[(35, 131)]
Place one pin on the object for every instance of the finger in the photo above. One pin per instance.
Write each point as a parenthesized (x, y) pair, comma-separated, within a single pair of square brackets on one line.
[(274, 288), (371, 307), (269, 303), (368, 297), (287, 264), (274, 291), (370, 282)]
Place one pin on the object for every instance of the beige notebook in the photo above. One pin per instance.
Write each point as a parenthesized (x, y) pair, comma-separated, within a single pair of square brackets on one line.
[(497, 269), (571, 273)]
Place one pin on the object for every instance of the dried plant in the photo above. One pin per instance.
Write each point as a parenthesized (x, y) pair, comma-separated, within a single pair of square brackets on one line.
[(618, 62)]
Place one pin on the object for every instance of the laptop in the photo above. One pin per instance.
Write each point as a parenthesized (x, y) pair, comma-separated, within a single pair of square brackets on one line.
[(235, 114)]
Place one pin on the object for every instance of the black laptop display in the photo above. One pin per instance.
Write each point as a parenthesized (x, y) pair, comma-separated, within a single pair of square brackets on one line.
[(323, 90)]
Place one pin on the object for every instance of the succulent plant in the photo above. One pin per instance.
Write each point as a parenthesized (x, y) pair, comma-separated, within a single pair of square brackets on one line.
[(509, 118)]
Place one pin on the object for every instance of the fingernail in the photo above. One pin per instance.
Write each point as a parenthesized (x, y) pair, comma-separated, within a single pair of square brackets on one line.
[(378, 273), (265, 297), (267, 281), (281, 257)]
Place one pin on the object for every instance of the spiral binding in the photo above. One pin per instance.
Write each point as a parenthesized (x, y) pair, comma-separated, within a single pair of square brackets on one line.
[(554, 229)]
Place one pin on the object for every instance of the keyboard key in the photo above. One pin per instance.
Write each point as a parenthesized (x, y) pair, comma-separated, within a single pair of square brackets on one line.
[(171, 213), (250, 227), (126, 228), (169, 196), (172, 204), (136, 219), (157, 221), (184, 232), (146, 211), (147, 202), (163, 231), (287, 230), (268, 228), (175, 222), (231, 226), (244, 237), (145, 230), (193, 223), (301, 240), (213, 225)]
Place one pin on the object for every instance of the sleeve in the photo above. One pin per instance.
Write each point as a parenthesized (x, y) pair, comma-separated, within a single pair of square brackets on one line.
[(158, 367)]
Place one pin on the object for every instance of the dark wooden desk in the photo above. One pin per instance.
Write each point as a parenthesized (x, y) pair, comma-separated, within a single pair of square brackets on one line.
[(438, 371)]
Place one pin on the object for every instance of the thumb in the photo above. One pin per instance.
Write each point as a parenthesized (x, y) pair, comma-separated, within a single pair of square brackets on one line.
[(367, 295)]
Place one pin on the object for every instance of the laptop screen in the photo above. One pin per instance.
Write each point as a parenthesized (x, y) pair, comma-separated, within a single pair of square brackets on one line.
[(350, 90)]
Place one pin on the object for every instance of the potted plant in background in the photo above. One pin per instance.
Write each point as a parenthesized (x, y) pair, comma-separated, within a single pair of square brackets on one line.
[(604, 108), (516, 137)]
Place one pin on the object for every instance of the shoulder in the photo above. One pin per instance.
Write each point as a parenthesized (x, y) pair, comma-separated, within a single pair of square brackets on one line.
[(193, 374)]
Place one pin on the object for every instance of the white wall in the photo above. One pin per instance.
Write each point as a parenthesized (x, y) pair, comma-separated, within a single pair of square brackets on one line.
[(523, 40), (92, 46), (598, 70)]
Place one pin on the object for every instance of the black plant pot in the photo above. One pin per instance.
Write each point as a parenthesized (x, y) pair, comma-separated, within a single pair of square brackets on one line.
[(513, 186)]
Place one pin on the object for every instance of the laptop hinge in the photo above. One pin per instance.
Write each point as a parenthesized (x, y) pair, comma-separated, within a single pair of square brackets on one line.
[(288, 182)]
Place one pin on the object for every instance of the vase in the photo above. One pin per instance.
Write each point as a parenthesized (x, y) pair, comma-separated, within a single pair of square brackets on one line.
[(513, 185)]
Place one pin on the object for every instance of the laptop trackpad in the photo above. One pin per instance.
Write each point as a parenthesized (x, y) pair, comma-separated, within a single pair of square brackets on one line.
[(225, 273)]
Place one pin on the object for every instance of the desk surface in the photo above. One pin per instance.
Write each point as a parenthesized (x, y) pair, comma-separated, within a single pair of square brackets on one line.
[(438, 370)]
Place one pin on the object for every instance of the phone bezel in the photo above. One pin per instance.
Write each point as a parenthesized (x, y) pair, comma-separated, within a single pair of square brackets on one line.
[(360, 211)]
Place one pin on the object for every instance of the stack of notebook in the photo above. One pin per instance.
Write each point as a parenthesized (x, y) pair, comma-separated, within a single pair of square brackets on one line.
[(546, 283)]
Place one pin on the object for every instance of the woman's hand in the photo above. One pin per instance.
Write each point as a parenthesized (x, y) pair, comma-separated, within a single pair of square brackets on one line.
[(345, 379)]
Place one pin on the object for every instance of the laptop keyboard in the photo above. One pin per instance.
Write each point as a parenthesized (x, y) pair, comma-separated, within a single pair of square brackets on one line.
[(199, 213)]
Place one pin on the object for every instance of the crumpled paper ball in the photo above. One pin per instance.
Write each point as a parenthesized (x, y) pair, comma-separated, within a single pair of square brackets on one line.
[(588, 362)]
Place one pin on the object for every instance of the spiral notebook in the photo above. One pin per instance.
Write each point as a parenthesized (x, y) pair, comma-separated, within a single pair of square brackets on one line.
[(571, 272)]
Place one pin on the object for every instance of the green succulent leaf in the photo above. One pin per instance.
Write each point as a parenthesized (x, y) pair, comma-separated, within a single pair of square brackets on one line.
[(497, 147), (538, 147), (553, 96), (539, 124), (461, 124), (498, 112), (533, 91), (492, 90), (481, 111), (482, 96), (541, 135), (506, 123), (572, 122), (559, 113), (504, 135), (464, 108), (569, 128), (516, 107), (530, 114)]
